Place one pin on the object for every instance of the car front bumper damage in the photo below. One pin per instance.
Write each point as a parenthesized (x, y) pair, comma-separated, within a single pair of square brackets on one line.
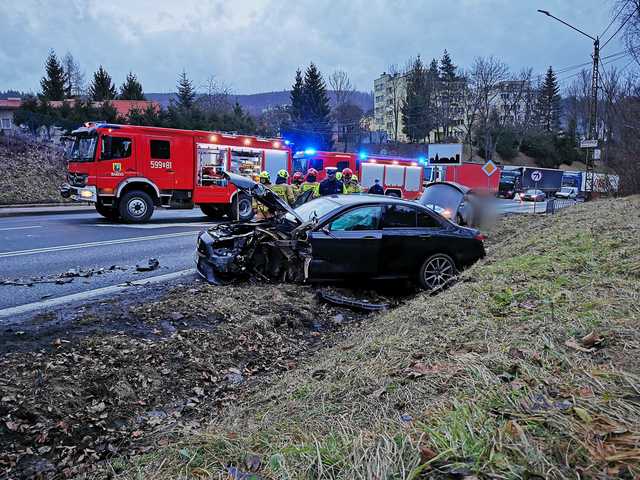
[(229, 251)]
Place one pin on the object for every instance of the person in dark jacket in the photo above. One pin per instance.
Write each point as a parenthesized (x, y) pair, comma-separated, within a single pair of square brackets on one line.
[(376, 188), (331, 185)]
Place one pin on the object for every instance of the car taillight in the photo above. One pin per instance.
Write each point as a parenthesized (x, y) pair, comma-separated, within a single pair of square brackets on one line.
[(480, 236)]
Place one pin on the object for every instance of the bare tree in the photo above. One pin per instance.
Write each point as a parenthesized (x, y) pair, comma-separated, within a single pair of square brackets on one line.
[(215, 97), (341, 85), (486, 76), (629, 21), (395, 97), (73, 77)]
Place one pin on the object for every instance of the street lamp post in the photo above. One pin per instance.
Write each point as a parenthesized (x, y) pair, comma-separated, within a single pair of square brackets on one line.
[(593, 105)]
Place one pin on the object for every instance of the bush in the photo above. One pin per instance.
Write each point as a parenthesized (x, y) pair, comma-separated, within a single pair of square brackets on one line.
[(541, 147), (507, 144), (566, 150)]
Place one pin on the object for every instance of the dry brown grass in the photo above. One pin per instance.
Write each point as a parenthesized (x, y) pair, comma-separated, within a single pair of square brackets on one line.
[(493, 377)]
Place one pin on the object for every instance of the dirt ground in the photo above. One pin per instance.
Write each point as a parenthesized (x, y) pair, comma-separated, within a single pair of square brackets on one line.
[(113, 378)]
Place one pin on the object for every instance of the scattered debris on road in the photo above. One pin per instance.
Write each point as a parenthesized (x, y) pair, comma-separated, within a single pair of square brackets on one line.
[(152, 265)]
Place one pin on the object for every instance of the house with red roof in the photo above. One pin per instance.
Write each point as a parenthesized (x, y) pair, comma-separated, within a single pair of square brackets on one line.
[(123, 107), (7, 107)]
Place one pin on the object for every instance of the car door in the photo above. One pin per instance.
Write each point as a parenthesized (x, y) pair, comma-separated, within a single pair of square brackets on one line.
[(399, 239), (347, 245), (405, 247)]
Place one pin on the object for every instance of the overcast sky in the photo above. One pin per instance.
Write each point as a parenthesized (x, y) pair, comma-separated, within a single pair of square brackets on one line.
[(256, 45)]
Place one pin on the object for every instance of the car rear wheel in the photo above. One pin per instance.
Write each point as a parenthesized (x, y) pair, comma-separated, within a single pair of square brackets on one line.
[(437, 272), (241, 208), (136, 206)]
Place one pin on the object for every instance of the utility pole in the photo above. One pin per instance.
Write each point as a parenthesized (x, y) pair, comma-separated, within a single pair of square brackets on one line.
[(593, 104), (593, 118)]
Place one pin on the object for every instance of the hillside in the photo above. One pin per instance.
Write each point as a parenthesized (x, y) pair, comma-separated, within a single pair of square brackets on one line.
[(32, 172), (527, 368), (257, 102)]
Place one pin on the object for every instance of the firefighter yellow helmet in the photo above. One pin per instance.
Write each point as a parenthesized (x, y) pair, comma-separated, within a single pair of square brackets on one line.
[(354, 178), (264, 174), (338, 175), (283, 173)]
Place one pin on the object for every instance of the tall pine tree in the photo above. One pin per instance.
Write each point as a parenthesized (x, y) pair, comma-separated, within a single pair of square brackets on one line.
[(549, 103), (297, 98), (53, 83), (447, 68), (434, 74), (316, 114), (131, 89), (186, 95), (417, 108), (102, 88)]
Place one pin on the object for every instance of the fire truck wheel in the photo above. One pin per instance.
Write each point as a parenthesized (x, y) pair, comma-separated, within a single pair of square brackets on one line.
[(210, 211), (135, 207), (241, 207), (109, 213)]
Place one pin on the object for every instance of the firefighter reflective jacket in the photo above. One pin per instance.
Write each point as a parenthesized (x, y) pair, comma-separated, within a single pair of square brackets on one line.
[(352, 188), (284, 191), (311, 186)]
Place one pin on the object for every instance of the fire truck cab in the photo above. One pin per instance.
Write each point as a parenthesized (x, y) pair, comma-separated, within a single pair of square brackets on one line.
[(400, 177), (127, 171)]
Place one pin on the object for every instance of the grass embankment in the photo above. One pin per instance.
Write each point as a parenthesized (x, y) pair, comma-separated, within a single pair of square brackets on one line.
[(31, 172), (526, 368)]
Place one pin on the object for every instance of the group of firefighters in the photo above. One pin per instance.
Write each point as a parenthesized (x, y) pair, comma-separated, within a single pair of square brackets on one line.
[(345, 182)]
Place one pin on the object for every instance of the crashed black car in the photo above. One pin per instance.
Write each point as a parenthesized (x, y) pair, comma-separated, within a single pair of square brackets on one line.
[(337, 237)]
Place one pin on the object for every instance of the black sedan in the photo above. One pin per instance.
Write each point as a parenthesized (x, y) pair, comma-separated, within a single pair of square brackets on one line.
[(336, 238)]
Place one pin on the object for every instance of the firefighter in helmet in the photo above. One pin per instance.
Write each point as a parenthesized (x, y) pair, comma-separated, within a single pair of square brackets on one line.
[(265, 178), (347, 175), (258, 207), (311, 182), (282, 188), (354, 184), (296, 183)]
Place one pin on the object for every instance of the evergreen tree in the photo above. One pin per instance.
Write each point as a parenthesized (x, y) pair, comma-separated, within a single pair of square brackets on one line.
[(316, 114), (186, 95), (131, 89), (102, 88), (52, 83), (447, 68), (417, 109), (548, 108), (297, 97), (434, 74)]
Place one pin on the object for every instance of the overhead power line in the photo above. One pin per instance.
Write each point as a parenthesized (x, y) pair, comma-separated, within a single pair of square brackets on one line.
[(621, 26), (615, 18)]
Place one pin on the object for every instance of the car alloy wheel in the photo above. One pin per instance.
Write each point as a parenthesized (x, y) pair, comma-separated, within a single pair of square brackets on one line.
[(437, 272)]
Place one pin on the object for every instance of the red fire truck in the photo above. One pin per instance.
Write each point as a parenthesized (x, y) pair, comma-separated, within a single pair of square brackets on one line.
[(400, 177), (127, 170)]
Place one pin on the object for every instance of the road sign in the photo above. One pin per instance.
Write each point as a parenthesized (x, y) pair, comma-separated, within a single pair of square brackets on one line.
[(589, 144), (536, 175), (489, 168), (596, 154), (441, 154)]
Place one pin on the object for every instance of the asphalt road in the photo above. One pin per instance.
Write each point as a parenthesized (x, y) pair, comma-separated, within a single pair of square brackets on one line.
[(36, 248)]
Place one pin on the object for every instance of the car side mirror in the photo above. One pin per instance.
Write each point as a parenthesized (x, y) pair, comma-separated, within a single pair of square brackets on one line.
[(326, 230)]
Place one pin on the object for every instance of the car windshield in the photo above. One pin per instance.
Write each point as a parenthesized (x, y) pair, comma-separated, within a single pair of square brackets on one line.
[(313, 209), (566, 189), (83, 149), (442, 195), (532, 192)]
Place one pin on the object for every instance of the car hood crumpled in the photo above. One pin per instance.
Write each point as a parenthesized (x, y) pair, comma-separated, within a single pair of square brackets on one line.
[(261, 193)]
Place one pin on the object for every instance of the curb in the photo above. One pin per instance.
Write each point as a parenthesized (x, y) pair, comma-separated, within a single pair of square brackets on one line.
[(52, 210)]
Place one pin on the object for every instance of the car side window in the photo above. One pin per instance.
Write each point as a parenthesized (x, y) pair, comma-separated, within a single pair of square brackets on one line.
[(364, 218), (427, 221), (399, 216)]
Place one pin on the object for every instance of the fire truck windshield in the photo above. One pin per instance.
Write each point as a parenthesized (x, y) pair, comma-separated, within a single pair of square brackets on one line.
[(83, 148)]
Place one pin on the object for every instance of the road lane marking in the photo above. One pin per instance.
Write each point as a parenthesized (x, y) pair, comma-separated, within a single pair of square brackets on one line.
[(98, 292), (154, 225), (33, 251), (19, 228)]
